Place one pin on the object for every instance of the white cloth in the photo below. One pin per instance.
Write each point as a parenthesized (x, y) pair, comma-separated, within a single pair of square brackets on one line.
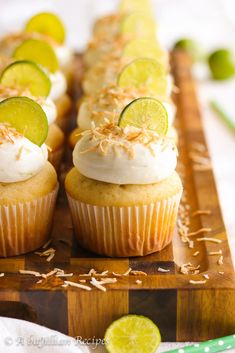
[(19, 336)]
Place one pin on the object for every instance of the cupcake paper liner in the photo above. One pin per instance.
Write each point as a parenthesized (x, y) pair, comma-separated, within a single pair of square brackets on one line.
[(26, 226), (125, 231)]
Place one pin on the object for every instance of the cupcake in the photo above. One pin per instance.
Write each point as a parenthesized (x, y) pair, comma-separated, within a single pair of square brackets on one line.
[(13, 75), (44, 55), (138, 24), (107, 72), (52, 31), (123, 191), (122, 46), (108, 103), (28, 183)]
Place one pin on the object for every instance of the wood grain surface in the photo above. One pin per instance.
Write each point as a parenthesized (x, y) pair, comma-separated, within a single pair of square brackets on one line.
[(183, 311)]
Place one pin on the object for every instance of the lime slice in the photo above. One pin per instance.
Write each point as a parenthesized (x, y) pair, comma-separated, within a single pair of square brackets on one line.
[(139, 25), (26, 116), (39, 51), (222, 64), (26, 75), (145, 112), (136, 48), (144, 72), (48, 24), (132, 334), (191, 47), (128, 6)]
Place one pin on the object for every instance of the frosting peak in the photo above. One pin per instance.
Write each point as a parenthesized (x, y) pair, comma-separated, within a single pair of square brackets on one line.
[(115, 155), (20, 159)]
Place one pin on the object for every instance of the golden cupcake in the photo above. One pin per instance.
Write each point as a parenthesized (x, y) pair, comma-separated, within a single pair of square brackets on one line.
[(123, 191), (28, 183), (108, 103)]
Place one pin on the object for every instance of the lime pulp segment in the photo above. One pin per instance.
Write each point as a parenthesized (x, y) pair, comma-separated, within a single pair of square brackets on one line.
[(48, 24), (146, 113), (145, 73), (26, 75), (38, 51), (26, 116), (132, 334)]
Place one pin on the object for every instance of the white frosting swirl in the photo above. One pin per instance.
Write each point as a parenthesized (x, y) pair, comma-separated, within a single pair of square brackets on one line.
[(147, 165), (20, 159), (58, 85), (64, 55), (50, 110)]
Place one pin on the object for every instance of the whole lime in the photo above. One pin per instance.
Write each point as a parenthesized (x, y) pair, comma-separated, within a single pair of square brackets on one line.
[(222, 64), (191, 46)]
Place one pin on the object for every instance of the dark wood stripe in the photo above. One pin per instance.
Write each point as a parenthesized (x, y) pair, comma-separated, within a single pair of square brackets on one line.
[(159, 306)]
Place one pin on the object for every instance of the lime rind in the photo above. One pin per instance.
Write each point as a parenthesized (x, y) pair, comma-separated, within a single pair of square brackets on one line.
[(145, 112), (38, 51), (26, 116), (131, 334), (145, 73), (25, 74), (49, 24)]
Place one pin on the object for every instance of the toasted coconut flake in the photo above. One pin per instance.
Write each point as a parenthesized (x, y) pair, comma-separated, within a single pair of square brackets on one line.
[(50, 257), (47, 244), (199, 147), (138, 273), (2, 274), (188, 268), (221, 273), (197, 282), (199, 231), (206, 276), (221, 260), (29, 272), (212, 240), (109, 135), (138, 281), (97, 284), (196, 253), (202, 168), (214, 253), (64, 275), (77, 285), (64, 285), (201, 212), (163, 270), (199, 159), (82, 280), (49, 274), (39, 281)]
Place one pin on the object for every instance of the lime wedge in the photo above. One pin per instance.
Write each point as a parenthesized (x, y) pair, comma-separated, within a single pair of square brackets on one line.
[(145, 112), (26, 116), (48, 24), (139, 25), (132, 334), (38, 51), (128, 6), (136, 48), (222, 64), (26, 75), (145, 73)]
